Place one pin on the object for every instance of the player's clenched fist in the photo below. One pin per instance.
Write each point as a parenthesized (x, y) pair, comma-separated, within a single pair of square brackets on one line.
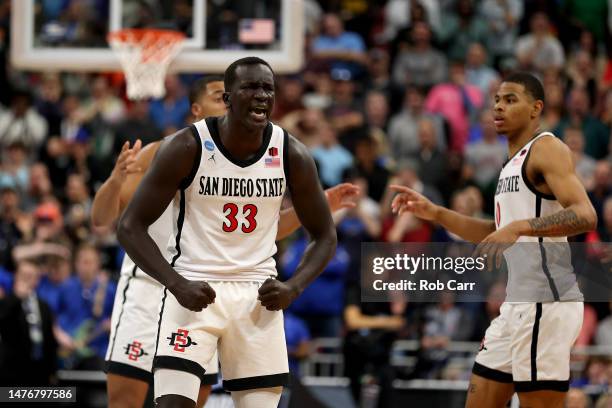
[(276, 295), (194, 295)]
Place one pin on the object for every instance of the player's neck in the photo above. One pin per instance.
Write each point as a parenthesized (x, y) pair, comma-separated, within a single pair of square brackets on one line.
[(238, 139), (521, 138)]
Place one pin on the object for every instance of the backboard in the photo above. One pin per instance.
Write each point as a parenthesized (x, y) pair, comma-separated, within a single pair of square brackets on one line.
[(70, 35)]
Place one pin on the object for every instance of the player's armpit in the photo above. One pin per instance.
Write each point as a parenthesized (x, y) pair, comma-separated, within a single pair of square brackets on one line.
[(551, 159)]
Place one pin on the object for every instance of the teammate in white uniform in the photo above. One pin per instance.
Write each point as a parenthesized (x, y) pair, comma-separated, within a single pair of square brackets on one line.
[(539, 201), (138, 300), (231, 173)]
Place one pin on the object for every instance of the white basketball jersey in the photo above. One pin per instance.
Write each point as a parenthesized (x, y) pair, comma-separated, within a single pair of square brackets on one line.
[(539, 268), (227, 217), (159, 231)]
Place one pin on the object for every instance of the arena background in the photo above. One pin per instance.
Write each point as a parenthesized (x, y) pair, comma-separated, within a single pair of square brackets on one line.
[(382, 92)]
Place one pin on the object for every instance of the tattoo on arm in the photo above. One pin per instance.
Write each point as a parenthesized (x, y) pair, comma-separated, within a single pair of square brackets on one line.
[(564, 222)]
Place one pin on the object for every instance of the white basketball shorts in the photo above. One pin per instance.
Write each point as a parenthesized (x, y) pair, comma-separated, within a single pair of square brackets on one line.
[(249, 338), (529, 345), (134, 326)]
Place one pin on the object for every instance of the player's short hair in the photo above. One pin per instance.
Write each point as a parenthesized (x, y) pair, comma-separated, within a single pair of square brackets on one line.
[(200, 85), (532, 85), (230, 73)]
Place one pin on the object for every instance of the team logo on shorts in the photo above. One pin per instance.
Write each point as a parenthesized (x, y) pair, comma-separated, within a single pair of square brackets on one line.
[(181, 340), (134, 350)]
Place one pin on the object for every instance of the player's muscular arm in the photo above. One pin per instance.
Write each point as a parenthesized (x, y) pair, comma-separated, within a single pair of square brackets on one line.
[(469, 228), (550, 160), (171, 166), (312, 210)]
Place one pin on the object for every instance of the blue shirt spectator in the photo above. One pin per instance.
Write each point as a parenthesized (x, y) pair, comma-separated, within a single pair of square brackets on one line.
[(332, 158), (170, 112), (6, 281), (296, 336)]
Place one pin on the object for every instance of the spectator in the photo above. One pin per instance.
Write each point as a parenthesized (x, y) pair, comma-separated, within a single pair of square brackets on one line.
[(345, 112), (477, 71), (13, 224), (85, 305), (49, 103), (398, 15), (461, 29), (596, 136), (553, 110), (430, 160), (576, 398), (420, 64), (170, 112), (55, 271), (304, 125), (22, 124), (601, 188), (503, 17), (14, 168), (136, 125), (376, 115), (41, 187), (297, 338), (581, 73), (103, 103), (443, 323), (78, 209), (320, 305), (403, 127), (28, 351), (540, 50), (486, 156), (343, 49), (585, 165), (332, 158), (589, 15), (288, 97), (368, 164), (458, 103), (378, 72)]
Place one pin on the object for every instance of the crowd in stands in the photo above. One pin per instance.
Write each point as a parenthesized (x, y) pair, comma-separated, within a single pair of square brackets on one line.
[(396, 91)]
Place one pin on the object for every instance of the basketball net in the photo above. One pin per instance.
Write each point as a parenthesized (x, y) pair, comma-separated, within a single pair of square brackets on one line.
[(145, 55)]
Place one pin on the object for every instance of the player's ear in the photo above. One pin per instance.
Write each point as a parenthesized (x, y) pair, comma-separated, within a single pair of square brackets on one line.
[(226, 99), (538, 106), (196, 109)]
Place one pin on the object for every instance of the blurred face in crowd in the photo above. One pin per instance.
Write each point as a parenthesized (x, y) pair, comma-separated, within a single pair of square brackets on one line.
[(9, 201), (474, 199), (487, 125), (365, 151), (554, 97), (379, 63), (311, 120), (99, 87), (343, 91), (27, 276), (376, 108), (87, 264), (332, 26), (76, 189), (601, 175), (413, 100), (584, 63), (421, 34), (291, 90), (40, 184), (476, 55), (58, 269), (210, 101), (16, 154), (427, 134), (407, 175), (457, 73), (51, 88), (539, 24), (578, 102), (20, 105), (465, 8), (459, 203), (574, 139), (173, 85), (140, 109), (327, 135)]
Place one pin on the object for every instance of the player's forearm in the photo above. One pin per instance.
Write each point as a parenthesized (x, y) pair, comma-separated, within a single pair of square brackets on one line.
[(572, 220), (318, 253), (287, 223), (141, 248), (106, 204), (469, 228)]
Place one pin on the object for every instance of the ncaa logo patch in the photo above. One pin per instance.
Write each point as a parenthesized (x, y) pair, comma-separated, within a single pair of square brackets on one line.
[(210, 146)]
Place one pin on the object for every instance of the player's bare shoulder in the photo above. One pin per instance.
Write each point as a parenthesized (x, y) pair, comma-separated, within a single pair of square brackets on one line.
[(549, 151), (299, 155)]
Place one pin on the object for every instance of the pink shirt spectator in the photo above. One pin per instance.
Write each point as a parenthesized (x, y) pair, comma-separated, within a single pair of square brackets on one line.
[(447, 100)]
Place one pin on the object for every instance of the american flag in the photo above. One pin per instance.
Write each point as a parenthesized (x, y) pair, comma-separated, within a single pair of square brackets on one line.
[(256, 30), (272, 162)]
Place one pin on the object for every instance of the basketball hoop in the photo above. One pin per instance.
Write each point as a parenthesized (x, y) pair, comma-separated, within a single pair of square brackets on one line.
[(145, 55)]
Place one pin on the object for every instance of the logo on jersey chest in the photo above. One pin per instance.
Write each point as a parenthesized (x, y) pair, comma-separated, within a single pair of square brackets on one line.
[(508, 184), (241, 187), (519, 159), (273, 160)]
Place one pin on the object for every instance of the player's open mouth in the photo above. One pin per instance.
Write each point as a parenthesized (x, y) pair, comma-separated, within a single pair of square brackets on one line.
[(258, 114)]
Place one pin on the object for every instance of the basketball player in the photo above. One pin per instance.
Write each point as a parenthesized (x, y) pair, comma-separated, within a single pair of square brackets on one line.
[(539, 200), (224, 243), (136, 312)]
